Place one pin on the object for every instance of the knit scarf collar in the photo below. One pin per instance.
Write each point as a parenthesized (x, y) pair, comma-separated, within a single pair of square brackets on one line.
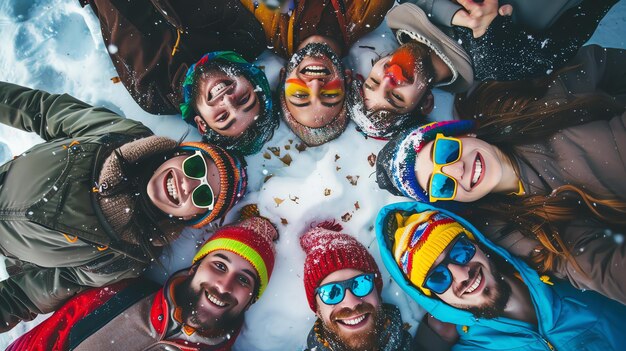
[(176, 329), (391, 338)]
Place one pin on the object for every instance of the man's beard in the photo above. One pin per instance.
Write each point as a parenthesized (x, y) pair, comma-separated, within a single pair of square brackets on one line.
[(190, 303), (361, 340), (497, 296), (315, 50)]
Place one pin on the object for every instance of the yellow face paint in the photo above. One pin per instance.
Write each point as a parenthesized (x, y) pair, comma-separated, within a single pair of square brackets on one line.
[(294, 87)]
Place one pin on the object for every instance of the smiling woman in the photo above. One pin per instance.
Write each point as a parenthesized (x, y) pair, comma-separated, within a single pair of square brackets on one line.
[(544, 171), (104, 196)]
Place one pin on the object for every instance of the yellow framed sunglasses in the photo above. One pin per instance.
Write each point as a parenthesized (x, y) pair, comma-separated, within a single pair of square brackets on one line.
[(445, 151)]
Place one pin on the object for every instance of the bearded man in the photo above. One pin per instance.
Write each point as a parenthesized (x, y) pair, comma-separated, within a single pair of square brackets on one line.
[(313, 35), (481, 296), (200, 308), (343, 287)]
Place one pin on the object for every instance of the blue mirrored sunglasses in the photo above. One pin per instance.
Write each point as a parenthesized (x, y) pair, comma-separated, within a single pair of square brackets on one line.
[(439, 278), (333, 293), (445, 151)]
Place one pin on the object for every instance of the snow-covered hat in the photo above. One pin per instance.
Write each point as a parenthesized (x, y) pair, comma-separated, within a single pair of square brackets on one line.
[(252, 239), (327, 251), (251, 141)]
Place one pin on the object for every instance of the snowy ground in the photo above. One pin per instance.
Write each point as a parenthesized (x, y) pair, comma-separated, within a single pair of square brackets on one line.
[(56, 45)]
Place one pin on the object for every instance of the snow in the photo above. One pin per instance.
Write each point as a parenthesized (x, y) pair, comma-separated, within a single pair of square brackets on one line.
[(55, 45)]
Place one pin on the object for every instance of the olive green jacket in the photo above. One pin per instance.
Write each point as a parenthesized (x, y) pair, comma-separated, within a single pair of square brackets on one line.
[(52, 229)]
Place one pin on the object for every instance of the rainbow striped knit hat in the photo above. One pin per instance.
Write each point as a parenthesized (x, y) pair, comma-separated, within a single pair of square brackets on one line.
[(253, 240), (419, 239), (233, 181), (395, 165)]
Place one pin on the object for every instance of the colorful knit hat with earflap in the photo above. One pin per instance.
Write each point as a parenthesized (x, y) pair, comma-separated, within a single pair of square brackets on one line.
[(253, 240), (419, 240), (327, 251), (233, 181), (395, 165), (261, 131)]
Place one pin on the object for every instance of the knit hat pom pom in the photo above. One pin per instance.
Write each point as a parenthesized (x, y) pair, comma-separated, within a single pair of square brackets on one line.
[(330, 225), (249, 211)]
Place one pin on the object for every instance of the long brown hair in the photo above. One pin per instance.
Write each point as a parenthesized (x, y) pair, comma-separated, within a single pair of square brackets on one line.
[(518, 112)]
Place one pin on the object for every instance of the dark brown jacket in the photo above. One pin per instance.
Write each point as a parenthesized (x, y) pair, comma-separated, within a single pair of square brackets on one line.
[(141, 36), (344, 20)]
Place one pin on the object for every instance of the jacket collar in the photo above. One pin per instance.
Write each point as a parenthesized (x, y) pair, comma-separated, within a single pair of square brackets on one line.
[(166, 318)]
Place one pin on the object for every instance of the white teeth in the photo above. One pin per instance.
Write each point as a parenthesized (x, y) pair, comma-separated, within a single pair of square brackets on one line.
[(478, 169), (315, 70), (171, 189), (475, 285), (218, 88), (215, 300), (354, 321)]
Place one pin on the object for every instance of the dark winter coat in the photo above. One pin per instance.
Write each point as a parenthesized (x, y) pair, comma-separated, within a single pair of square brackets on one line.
[(152, 43), (343, 20), (509, 52), (591, 156), (536, 15), (52, 228), (567, 319), (393, 337), (129, 315)]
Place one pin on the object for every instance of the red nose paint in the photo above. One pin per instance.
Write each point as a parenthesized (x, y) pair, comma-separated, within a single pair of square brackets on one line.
[(395, 73), (401, 66)]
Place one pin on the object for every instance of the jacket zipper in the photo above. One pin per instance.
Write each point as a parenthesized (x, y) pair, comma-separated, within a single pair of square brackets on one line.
[(548, 343)]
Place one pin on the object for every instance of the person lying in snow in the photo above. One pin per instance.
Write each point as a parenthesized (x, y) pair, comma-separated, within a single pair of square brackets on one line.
[(230, 102), (543, 172), (153, 44), (313, 35), (495, 300), (396, 96), (96, 202), (343, 287), (200, 308)]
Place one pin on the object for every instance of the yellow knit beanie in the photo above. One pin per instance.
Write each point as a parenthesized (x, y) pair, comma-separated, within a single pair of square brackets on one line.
[(419, 239)]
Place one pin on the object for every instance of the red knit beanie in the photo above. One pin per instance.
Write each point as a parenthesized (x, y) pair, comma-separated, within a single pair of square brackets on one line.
[(252, 239), (327, 251)]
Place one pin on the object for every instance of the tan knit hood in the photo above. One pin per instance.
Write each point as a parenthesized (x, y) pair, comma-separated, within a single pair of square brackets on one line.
[(118, 209)]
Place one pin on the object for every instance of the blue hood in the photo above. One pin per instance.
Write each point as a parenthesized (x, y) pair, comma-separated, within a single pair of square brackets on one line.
[(568, 319), (542, 294)]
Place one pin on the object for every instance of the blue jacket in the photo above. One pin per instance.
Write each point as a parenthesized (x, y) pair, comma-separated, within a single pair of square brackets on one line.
[(568, 319)]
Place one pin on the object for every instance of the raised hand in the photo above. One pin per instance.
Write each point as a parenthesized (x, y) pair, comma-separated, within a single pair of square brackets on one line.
[(477, 16)]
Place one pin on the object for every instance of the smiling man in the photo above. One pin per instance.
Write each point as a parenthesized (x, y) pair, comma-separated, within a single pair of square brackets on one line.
[(396, 96), (494, 299), (200, 308), (343, 287), (229, 101), (313, 35), (152, 44)]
